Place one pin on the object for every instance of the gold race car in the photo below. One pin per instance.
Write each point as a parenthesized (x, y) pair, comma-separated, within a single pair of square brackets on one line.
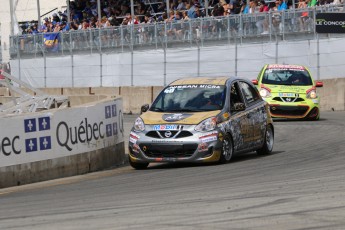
[(201, 120)]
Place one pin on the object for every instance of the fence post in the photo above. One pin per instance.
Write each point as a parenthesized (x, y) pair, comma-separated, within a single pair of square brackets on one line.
[(165, 64), (277, 45), (236, 55), (72, 59), (18, 57), (198, 61), (318, 56)]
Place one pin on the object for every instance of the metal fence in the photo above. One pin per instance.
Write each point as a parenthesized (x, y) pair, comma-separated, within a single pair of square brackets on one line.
[(156, 54), (204, 31)]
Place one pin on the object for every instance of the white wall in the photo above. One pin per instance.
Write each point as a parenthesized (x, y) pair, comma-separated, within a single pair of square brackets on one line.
[(148, 66)]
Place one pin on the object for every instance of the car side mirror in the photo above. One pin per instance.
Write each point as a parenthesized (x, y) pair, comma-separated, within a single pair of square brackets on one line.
[(255, 82), (144, 108), (238, 107), (319, 84)]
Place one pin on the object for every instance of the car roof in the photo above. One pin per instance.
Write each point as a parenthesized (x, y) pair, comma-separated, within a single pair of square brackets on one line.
[(202, 80)]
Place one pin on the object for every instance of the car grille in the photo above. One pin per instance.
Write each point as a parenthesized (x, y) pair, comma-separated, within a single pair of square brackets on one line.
[(174, 134), (168, 150), (288, 110), (288, 99)]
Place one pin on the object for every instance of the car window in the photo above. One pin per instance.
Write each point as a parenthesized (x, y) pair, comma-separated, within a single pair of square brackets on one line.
[(235, 95), (287, 77), (190, 98), (250, 93)]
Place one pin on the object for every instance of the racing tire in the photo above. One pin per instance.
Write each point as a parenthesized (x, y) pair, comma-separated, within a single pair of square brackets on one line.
[(137, 165), (268, 142), (227, 150)]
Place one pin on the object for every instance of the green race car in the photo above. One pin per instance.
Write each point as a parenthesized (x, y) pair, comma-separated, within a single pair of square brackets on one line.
[(290, 91)]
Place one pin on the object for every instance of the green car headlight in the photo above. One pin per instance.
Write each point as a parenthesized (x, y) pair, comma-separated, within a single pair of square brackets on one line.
[(265, 92), (311, 93)]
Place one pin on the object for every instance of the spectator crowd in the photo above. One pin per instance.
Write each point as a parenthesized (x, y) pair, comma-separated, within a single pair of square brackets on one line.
[(84, 13)]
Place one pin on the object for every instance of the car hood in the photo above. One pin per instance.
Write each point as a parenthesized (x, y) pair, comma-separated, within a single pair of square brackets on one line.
[(300, 89), (190, 118)]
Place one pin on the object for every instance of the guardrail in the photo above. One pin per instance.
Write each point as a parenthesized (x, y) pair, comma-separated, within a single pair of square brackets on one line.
[(201, 30)]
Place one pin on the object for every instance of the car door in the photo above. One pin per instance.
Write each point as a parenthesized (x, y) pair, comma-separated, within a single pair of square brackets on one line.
[(242, 125), (256, 112)]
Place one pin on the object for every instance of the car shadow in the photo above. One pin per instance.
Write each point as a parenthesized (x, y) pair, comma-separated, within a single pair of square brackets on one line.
[(296, 120), (236, 159)]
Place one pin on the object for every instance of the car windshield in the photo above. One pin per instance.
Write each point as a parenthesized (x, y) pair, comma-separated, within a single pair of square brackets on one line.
[(287, 77), (190, 98)]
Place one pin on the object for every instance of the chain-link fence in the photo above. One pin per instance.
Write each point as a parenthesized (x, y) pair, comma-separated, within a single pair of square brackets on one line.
[(155, 54)]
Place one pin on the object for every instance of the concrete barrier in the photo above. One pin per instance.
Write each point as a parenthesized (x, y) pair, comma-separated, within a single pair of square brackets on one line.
[(332, 95)]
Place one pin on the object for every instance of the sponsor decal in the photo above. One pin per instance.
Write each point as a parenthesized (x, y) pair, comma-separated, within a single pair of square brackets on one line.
[(175, 117), (9, 145), (208, 139), (109, 130), (167, 141), (172, 89), (45, 143), (208, 134), (330, 23), (288, 95), (113, 110), (68, 136), (37, 143), (165, 127), (285, 67), (203, 147), (30, 125), (133, 137), (31, 145), (43, 123)]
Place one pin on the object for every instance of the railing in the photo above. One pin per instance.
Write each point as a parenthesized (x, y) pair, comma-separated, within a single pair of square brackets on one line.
[(205, 30)]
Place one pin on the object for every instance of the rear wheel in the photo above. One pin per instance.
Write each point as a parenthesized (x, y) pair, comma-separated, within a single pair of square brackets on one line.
[(227, 150), (268, 142), (137, 165)]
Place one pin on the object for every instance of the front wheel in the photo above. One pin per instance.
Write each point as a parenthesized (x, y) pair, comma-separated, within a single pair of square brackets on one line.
[(137, 165), (227, 150), (268, 142)]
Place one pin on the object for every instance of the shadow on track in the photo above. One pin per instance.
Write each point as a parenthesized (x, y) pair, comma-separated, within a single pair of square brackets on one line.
[(236, 159)]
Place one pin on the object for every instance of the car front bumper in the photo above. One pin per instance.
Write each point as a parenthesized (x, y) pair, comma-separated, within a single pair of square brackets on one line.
[(308, 108), (187, 146)]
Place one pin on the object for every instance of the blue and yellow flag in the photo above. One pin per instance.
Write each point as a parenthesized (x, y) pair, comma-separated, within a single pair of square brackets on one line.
[(51, 41)]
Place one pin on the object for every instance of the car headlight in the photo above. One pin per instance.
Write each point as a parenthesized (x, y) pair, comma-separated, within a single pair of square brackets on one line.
[(208, 124), (265, 92), (311, 94), (139, 125)]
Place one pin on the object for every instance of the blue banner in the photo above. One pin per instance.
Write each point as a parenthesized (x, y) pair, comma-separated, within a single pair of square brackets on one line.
[(51, 41)]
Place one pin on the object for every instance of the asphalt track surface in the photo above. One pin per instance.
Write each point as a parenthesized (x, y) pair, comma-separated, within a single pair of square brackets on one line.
[(300, 186)]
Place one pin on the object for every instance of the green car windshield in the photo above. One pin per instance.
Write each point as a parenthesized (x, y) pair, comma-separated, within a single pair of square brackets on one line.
[(190, 98), (286, 77)]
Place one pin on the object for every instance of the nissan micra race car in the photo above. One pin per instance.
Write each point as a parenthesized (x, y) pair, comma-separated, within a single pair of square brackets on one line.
[(290, 91), (201, 120)]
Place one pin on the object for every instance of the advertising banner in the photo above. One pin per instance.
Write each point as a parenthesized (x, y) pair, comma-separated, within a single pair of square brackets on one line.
[(58, 133), (330, 23)]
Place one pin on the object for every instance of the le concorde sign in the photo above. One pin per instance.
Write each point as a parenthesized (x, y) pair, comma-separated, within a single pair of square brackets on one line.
[(330, 23)]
